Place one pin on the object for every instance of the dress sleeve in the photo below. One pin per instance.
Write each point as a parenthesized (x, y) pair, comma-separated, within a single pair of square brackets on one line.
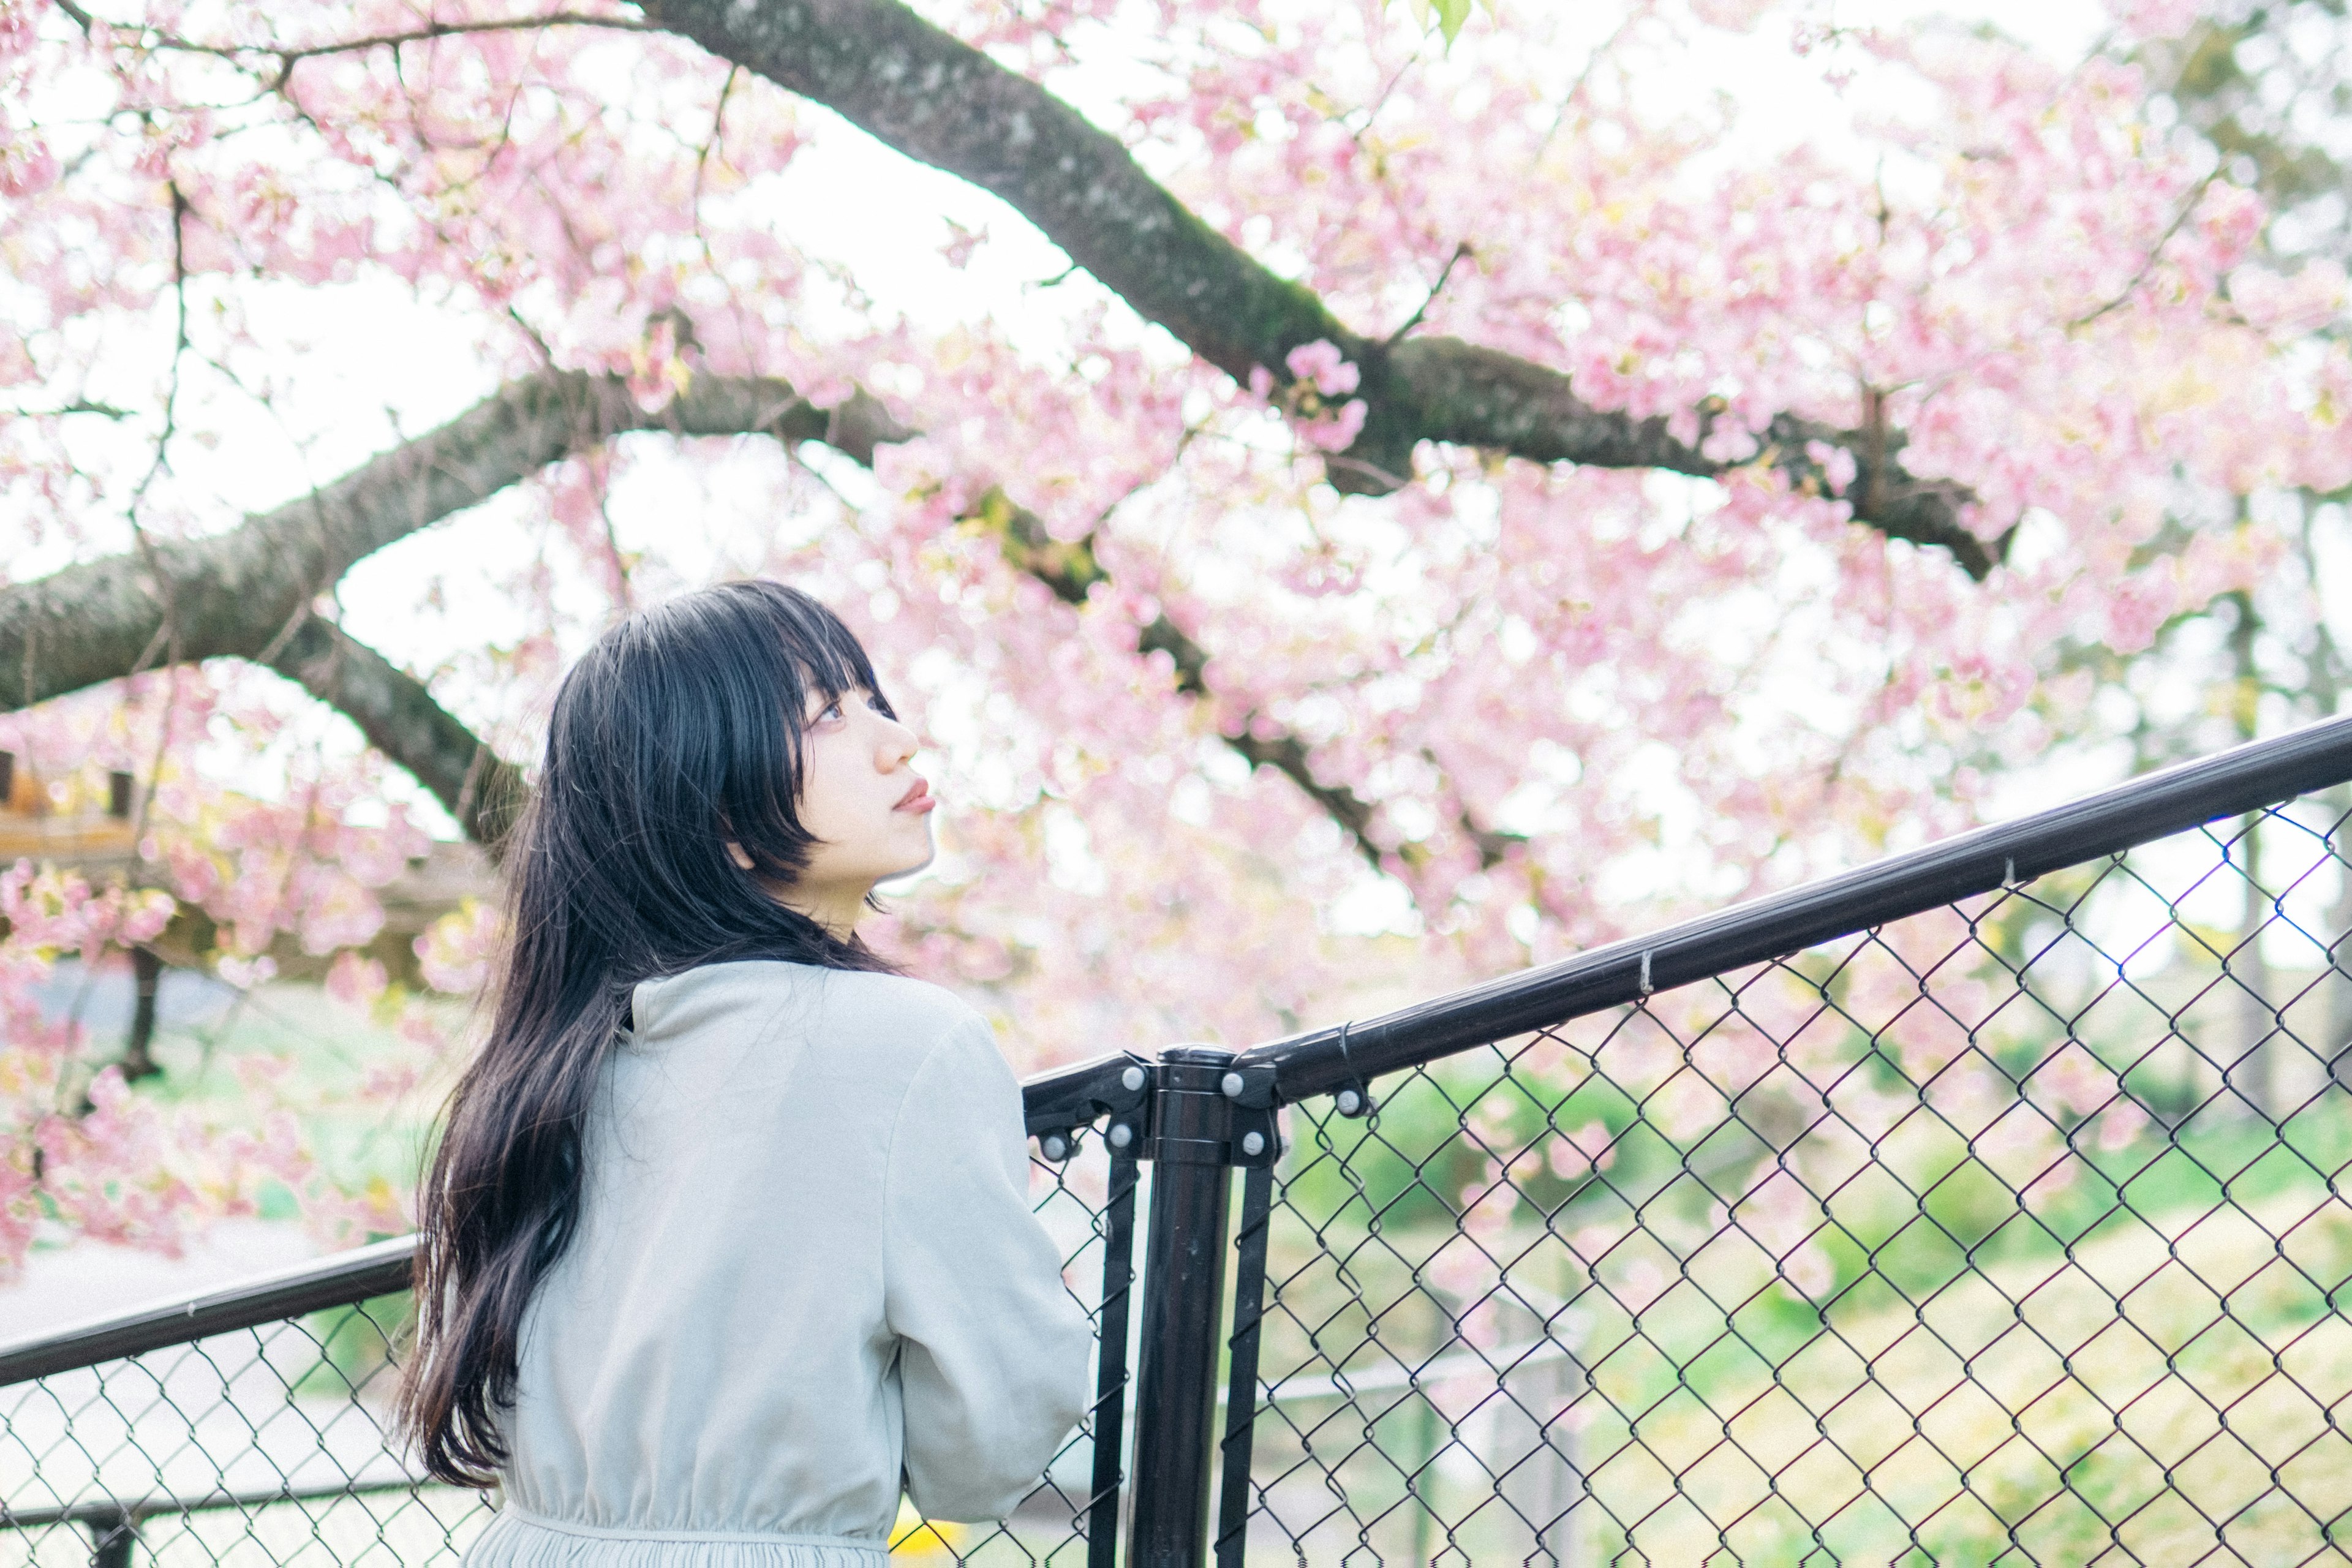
[(992, 1350)]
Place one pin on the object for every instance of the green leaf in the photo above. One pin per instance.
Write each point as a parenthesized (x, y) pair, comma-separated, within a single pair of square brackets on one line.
[(1447, 16)]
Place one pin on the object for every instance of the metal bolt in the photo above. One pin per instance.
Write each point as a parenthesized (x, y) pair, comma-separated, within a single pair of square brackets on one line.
[(1132, 1079), (1348, 1101), (1056, 1147), (1121, 1134), (1252, 1142), (1232, 1084)]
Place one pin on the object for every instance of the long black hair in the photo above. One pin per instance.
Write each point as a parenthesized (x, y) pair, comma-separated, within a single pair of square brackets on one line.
[(679, 730)]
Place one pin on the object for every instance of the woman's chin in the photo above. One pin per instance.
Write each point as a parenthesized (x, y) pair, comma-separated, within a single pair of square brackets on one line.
[(921, 862)]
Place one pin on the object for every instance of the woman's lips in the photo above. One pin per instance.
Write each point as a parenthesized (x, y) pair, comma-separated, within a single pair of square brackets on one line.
[(917, 799)]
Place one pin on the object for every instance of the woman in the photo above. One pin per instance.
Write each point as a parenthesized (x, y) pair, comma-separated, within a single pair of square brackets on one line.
[(726, 1240)]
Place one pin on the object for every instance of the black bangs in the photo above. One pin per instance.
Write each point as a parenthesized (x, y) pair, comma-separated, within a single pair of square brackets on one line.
[(832, 660)]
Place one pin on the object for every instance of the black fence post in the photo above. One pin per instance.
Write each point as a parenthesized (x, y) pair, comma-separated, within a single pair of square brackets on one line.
[(1183, 1310)]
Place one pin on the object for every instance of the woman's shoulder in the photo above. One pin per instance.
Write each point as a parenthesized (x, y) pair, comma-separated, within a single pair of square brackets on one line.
[(884, 1011), (914, 1009)]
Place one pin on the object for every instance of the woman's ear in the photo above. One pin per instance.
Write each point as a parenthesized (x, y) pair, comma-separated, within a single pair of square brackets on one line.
[(737, 853)]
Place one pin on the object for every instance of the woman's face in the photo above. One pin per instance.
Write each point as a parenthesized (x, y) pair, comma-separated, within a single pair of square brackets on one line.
[(868, 811)]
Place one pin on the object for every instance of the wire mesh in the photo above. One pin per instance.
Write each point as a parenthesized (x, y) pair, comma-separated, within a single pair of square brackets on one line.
[(273, 1445), (2015, 1231), (259, 1445)]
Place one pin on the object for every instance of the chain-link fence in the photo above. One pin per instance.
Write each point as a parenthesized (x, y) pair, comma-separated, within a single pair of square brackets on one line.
[(270, 1442), (258, 1444), (2010, 1232), (1986, 1206)]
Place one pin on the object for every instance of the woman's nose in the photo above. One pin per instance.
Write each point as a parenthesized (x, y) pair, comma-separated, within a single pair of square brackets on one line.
[(897, 744)]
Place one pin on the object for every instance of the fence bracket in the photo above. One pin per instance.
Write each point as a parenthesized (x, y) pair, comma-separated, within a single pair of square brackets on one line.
[(1199, 1116), (1253, 1134), (1119, 1086)]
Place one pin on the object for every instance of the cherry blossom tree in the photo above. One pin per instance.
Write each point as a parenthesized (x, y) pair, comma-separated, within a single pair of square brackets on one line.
[(1453, 464)]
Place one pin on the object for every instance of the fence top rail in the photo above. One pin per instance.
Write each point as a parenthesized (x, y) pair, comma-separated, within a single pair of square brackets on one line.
[(2154, 805), (338, 1280)]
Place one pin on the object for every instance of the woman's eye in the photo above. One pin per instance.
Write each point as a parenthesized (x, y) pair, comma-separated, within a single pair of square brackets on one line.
[(836, 712)]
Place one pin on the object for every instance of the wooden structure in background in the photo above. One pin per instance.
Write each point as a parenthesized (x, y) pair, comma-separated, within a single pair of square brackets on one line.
[(58, 823), (71, 825)]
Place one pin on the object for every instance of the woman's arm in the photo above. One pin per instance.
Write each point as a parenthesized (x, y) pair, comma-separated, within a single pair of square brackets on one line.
[(994, 1354)]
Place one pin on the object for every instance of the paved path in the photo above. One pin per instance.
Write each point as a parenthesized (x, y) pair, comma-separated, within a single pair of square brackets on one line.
[(90, 1280)]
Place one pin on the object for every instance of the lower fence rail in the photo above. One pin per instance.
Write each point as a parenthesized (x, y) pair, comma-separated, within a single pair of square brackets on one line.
[(1987, 1206)]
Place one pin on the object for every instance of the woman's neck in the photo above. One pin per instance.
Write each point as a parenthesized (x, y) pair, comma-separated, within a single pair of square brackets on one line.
[(835, 908)]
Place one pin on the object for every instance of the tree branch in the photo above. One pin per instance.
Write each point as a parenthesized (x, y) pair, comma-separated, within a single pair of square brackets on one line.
[(401, 719), (937, 100), (138, 38), (246, 594), (1071, 568), (2155, 253), (232, 591)]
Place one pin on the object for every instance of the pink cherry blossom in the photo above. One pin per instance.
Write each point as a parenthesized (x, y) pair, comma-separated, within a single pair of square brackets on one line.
[(1320, 363)]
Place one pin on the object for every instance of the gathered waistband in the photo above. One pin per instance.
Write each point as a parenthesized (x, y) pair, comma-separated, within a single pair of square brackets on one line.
[(517, 1538)]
